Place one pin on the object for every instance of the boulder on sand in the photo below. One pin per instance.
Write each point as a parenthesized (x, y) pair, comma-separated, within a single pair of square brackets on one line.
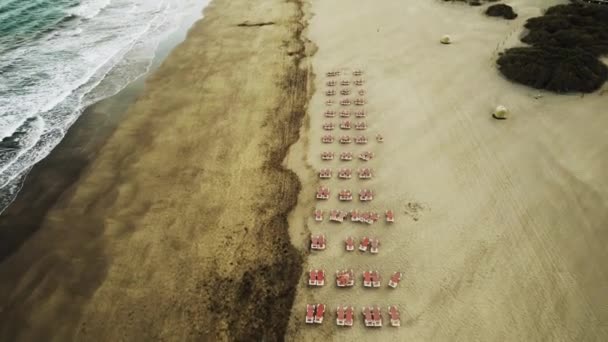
[(500, 112), (446, 39)]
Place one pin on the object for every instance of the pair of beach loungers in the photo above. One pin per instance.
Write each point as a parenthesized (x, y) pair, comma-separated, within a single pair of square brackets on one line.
[(316, 277), (315, 313)]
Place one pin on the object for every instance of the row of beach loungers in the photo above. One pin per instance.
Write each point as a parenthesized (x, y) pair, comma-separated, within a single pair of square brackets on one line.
[(340, 216), (347, 156), (323, 193), (346, 173), (372, 315), (346, 278), (347, 139), (319, 243)]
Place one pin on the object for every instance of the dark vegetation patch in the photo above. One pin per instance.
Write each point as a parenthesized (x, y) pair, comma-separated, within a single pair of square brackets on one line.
[(501, 10), (472, 2), (248, 24), (566, 43)]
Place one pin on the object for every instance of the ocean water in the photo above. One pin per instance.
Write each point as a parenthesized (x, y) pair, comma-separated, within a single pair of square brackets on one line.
[(59, 56)]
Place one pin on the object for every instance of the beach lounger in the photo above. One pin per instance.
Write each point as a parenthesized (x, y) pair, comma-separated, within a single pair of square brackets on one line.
[(344, 113), (345, 102), (366, 195), (379, 138), (359, 102), (310, 313), (367, 279), (330, 92), (359, 82), (345, 278), (348, 319), (328, 126), (361, 140), (330, 113), (375, 276), (331, 83), (323, 193), (361, 92), (327, 155), (325, 173), (340, 316), (395, 318), (345, 83), (345, 139), (312, 278), (364, 244), (376, 316), (337, 216), (374, 246), (361, 125), (345, 174), (366, 156), (360, 114), (358, 72), (318, 215), (365, 173), (327, 139), (346, 125), (320, 277), (346, 156), (319, 313), (329, 103), (345, 92), (317, 242), (350, 244), (395, 279), (332, 73), (321, 242), (367, 317), (345, 195), (390, 216)]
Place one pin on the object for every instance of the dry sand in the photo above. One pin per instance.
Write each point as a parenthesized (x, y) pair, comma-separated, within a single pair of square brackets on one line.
[(177, 230), (501, 225)]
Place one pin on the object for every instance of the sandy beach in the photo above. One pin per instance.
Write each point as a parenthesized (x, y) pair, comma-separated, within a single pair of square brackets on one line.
[(500, 227), (177, 228)]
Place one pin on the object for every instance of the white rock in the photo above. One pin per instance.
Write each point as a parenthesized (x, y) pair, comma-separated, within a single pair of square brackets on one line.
[(446, 39), (500, 112)]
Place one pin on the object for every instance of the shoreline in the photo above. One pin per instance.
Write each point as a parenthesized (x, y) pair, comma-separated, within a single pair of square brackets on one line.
[(162, 236), (57, 172)]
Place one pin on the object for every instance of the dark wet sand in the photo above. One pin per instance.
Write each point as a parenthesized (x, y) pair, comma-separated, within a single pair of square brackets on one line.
[(175, 229)]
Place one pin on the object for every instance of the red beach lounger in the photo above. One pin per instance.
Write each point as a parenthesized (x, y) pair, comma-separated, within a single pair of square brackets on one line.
[(312, 277), (340, 315), (320, 277), (310, 313), (350, 244), (376, 315), (367, 317), (395, 279), (375, 278), (374, 246), (367, 279), (364, 244), (348, 320), (390, 216), (319, 314), (394, 315)]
